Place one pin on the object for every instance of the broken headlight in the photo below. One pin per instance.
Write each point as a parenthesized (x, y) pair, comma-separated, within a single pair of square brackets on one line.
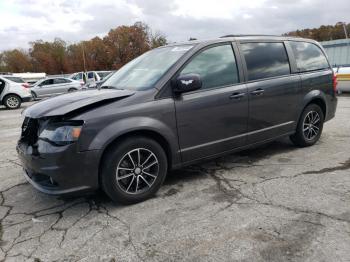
[(61, 133)]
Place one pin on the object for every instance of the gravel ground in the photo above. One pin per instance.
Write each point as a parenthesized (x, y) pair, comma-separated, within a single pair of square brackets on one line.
[(272, 203)]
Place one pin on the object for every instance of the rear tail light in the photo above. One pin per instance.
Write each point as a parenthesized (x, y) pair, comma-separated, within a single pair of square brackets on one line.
[(335, 83), (25, 85)]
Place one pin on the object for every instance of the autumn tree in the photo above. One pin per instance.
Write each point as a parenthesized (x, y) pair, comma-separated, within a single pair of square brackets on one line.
[(118, 47), (49, 57), (16, 60), (127, 42), (323, 33)]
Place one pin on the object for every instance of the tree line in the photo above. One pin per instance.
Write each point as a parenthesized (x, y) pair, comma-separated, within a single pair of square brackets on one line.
[(323, 33), (118, 47)]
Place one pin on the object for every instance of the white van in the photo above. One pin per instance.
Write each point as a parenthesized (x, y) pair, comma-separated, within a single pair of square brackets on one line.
[(343, 77), (91, 78), (13, 91)]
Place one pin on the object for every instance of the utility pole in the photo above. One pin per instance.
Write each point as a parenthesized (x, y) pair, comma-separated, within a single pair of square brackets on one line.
[(84, 56), (345, 30)]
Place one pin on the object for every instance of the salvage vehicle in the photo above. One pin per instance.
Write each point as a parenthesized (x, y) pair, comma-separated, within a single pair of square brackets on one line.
[(13, 91), (174, 106)]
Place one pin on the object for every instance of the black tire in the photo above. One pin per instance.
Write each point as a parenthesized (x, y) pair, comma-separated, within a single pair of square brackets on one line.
[(12, 101), (302, 137), (116, 159), (72, 90), (34, 95)]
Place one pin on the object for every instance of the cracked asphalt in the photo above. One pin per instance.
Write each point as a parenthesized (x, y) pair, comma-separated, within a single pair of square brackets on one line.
[(273, 203)]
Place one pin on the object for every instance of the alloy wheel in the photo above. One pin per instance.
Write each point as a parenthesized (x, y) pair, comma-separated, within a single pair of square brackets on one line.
[(12, 102), (311, 125), (137, 171)]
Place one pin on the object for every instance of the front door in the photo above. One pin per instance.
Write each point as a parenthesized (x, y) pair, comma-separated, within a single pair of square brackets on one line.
[(46, 88), (274, 93), (213, 119)]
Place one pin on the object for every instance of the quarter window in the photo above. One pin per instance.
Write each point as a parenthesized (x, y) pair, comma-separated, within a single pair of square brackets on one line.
[(216, 67), (309, 57), (265, 60)]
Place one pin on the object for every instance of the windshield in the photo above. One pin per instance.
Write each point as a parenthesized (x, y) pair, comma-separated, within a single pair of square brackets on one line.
[(144, 71), (14, 79), (103, 74)]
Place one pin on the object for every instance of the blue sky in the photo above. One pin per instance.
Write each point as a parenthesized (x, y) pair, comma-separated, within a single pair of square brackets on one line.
[(23, 21)]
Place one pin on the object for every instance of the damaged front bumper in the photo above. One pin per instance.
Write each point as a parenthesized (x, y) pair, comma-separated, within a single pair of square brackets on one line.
[(59, 170)]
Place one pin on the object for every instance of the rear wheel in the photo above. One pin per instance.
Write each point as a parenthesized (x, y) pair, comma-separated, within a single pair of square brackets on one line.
[(133, 170), (12, 101), (310, 126)]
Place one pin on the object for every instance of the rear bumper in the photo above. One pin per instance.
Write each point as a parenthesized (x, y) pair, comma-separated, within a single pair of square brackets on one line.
[(59, 170)]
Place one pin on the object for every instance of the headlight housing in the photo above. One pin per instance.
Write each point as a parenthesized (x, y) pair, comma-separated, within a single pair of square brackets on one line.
[(61, 133)]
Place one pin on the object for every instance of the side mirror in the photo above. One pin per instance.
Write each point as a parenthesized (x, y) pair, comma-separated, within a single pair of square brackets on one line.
[(186, 83)]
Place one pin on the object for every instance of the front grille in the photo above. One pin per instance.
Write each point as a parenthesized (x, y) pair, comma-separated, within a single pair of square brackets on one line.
[(30, 128)]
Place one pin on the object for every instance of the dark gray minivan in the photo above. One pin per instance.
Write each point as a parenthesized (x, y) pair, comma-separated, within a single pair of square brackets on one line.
[(173, 106)]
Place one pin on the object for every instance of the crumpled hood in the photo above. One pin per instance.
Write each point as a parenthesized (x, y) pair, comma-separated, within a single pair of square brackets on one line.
[(64, 104)]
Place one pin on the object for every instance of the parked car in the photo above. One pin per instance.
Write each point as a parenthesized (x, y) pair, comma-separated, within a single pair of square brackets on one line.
[(174, 106), (13, 91), (343, 77), (54, 86), (91, 78), (100, 83)]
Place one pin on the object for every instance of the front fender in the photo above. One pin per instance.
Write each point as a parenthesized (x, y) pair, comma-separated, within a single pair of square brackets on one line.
[(131, 124)]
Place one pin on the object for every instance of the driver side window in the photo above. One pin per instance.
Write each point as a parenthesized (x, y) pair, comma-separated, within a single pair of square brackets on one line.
[(216, 66), (47, 82)]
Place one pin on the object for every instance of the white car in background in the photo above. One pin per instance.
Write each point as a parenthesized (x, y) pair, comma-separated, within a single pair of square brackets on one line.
[(343, 78), (13, 91), (54, 86), (91, 78)]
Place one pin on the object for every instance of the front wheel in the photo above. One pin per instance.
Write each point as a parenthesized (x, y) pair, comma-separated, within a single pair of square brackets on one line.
[(133, 170), (12, 101), (310, 126), (34, 95)]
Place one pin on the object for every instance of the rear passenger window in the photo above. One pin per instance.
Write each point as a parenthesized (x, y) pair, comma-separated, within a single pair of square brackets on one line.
[(60, 81), (216, 66), (309, 56), (265, 60)]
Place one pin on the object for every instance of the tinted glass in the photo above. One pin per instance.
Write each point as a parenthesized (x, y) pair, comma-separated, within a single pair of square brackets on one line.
[(216, 66), (90, 75), (60, 81), (144, 71), (309, 56), (47, 82), (265, 60)]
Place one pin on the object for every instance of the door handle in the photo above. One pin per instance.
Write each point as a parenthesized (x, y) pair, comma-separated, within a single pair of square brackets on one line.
[(237, 95), (257, 92)]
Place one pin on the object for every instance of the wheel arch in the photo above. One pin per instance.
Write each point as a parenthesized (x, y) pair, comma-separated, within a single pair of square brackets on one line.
[(8, 94), (156, 136), (315, 97)]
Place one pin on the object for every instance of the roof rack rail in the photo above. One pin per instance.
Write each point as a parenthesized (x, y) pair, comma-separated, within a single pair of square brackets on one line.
[(240, 35), (5, 73)]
